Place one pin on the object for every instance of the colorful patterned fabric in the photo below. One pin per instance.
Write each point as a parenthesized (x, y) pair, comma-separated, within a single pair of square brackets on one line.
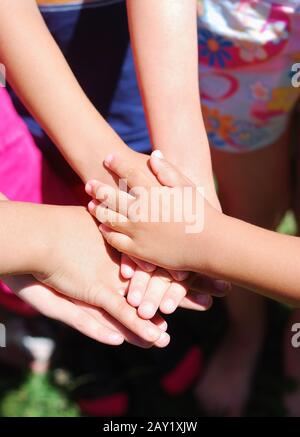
[(247, 55)]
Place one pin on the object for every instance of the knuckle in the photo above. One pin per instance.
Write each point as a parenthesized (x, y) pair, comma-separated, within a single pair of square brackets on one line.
[(130, 171)]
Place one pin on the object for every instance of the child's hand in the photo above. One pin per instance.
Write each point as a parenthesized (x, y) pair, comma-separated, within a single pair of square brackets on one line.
[(129, 263), (152, 291), (90, 321), (78, 264), (140, 161), (168, 244)]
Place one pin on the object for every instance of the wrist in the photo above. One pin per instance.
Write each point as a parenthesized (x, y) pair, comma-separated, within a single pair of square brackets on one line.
[(209, 245), (23, 242), (222, 248)]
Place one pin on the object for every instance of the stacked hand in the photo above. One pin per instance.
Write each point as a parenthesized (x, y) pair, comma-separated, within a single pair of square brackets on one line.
[(75, 276), (151, 242)]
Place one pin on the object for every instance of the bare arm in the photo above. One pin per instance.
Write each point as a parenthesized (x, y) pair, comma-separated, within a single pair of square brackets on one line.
[(43, 240), (42, 78), (21, 243), (164, 40), (261, 260)]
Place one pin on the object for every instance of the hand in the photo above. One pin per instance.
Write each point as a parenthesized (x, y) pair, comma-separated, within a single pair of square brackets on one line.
[(77, 263), (150, 291), (136, 237), (128, 264), (90, 321)]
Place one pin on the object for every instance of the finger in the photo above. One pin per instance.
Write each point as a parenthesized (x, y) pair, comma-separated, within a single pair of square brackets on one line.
[(56, 306), (115, 199), (133, 176), (118, 308), (196, 301), (108, 217), (166, 173), (131, 338), (178, 276), (137, 287), (157, 287), (144, 265), (160, 322), (119, 241), (128, 266), (172, 298)]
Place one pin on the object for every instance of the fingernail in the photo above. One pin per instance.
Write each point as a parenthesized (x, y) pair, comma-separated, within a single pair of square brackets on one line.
[(163, 326), (147, 310), (204, 300), (158, 154), (135, 298), (222, 286), (127, 272), (88, 188), (163, 340), (169, 306), (108, 160), (91, 206), (116, 338)]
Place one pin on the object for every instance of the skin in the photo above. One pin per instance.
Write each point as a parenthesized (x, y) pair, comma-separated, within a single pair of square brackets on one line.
[(248, 191), (164, 42), (65, 253), (273, 271), (30, 74)]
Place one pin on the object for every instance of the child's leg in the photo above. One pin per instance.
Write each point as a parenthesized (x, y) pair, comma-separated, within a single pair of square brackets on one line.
[(245, 81), (253, 187)]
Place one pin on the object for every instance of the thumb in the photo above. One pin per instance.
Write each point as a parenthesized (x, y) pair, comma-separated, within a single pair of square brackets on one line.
[(166, 173)]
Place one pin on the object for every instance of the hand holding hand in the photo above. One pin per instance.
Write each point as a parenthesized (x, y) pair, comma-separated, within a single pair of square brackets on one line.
[(78, 264), (168, 175)]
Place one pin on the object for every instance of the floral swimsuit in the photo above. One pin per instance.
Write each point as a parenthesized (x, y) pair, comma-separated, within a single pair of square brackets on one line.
[(249, 55)]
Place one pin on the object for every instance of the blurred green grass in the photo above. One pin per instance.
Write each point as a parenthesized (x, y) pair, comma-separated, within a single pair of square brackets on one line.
[(36, 397)]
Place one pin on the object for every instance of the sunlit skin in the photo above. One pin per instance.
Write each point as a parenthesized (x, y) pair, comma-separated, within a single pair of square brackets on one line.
[(226, 248)]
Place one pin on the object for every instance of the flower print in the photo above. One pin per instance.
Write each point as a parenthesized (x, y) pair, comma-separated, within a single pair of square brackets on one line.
[(247, 135), (216, 141), (259, 91), (279, 31), (283, 99), (250, 51), (219, 127), (214, 47)]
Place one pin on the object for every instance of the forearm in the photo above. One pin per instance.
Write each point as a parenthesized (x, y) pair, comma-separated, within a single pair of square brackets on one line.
[(261, 260), (22, 243), (42, 78), (164, 40)]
